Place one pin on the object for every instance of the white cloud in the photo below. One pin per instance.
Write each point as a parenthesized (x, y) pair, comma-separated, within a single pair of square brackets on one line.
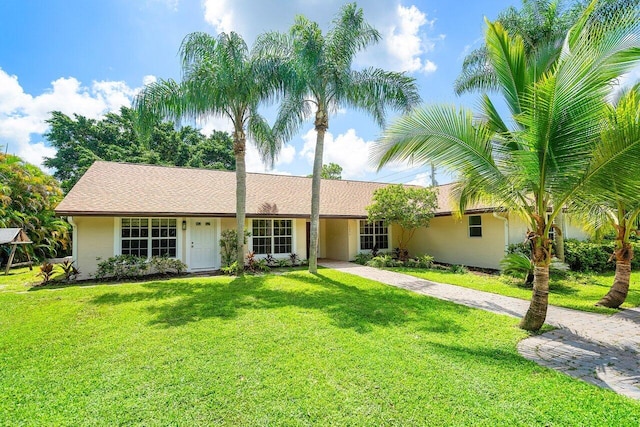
[(406, 41), (22, 115), (219, 13), (148, 79), (423, 179), (429, 67), (348, 150)]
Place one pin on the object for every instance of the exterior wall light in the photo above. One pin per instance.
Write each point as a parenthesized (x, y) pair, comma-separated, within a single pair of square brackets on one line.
[(184, 224)]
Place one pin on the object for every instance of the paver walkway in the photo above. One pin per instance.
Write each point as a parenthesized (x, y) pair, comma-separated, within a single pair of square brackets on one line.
[(599, 349)]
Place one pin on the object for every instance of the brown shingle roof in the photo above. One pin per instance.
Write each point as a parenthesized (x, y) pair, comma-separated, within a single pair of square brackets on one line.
[(135, 189)]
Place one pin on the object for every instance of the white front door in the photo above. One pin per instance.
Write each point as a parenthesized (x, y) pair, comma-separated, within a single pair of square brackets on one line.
[(203, 243)]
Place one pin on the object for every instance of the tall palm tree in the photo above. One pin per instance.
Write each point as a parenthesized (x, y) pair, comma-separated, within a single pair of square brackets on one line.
[(620, 210), (221, 77), (551, 149), (321, 81)]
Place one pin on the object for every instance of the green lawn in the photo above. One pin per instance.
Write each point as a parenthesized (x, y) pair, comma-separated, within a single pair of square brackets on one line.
[(292, 349), (577, 291)]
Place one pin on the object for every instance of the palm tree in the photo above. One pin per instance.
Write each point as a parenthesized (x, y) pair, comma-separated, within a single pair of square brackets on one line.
[(321, 81), (617, 210), (535, 166), (220, 78)]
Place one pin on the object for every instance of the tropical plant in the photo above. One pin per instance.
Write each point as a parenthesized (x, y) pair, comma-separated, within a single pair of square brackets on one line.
[(321, 81), (519, 265), (46, 272), (621, 210), (221, 77), (229, 245), (27, 199), (69, 270), (551, 151)]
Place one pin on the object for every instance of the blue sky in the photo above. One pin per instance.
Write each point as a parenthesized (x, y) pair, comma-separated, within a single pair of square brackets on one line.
[(91, 57)]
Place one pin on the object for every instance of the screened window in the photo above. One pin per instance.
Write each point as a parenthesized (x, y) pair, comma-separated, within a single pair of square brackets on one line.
[(475, 226), (272, 236), (374, 234), (149, 237)]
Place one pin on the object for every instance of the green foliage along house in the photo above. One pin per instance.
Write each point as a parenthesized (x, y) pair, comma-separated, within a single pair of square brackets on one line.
[(120, 208)]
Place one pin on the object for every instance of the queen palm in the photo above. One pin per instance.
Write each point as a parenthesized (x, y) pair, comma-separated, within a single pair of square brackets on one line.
[(549, 151), (321, 81), (220, 78), (618, 209)]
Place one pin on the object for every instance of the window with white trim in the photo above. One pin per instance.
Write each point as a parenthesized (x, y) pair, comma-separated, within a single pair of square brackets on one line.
[(374, 234), (272, 236), (146, 237), (475, 226), (552, 231)]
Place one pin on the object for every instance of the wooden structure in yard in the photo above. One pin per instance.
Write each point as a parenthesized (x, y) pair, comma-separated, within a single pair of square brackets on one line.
[(14, 237)]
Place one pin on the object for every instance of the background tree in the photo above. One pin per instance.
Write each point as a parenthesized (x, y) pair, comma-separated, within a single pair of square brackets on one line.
[(542, 24), (330, 171), (321, 81), (81, 141), (409, 208), (220, 78), (552, 149), (27, 199)]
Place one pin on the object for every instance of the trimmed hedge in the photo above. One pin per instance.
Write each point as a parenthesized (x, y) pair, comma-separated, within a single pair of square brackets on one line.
[(590, 256)]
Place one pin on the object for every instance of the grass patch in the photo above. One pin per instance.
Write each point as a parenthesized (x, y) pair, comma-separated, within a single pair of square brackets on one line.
[(579, 291), (290, 349)]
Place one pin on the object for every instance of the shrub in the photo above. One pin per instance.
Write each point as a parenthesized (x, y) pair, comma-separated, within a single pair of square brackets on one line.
[(165, 265), (382, 261), (294, 260), (363, 258), (230, 270), (255, 265), (46, 272), (592, 256), (229, 245), (458, 269), (122, 267), (517, 264), (69, 270)]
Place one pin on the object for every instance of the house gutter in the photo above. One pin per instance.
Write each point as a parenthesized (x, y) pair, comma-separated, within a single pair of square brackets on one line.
[(506, 230), (74, 240)]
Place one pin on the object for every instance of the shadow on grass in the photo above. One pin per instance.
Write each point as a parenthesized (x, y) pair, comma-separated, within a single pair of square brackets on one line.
[(347, 304)]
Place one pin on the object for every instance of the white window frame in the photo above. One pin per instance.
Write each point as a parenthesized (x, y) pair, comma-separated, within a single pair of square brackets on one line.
[(389, 239), (474, 226), (117, 243), (272, 236)]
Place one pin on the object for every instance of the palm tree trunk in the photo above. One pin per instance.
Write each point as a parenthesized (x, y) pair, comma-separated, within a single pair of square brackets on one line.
[(537, 313), (241, 194), (315, 202), (321, 125), (618, 292)]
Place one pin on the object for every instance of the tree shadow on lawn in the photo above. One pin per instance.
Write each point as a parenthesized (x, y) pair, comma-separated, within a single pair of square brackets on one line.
[(348, 306)]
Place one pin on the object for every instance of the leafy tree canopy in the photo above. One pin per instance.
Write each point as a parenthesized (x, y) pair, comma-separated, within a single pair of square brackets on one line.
[(408, 207), (27, 199), (80, 141), (330, 171)]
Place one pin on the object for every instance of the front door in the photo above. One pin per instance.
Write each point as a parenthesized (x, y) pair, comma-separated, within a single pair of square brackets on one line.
[(203, 244)]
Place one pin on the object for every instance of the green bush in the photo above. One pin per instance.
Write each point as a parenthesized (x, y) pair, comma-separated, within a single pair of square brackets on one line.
[(122, 267), (165, 265), (458, 269), (363, 258), (592, 256), (230, 270), (422, 261), (382, 261)]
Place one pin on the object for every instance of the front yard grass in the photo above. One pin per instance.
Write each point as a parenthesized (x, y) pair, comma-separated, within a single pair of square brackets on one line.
[(290, 349), (579, 291)]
